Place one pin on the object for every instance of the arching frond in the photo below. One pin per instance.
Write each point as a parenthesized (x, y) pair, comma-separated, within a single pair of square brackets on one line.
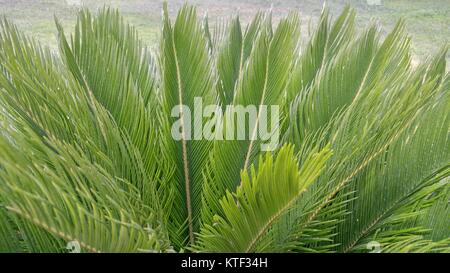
[(41, 101), (263, 197), (107, 146), (187, 75), (262, 82), (66, 195)]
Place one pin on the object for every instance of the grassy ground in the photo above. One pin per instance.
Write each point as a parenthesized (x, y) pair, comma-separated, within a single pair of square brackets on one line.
[(428, 21)]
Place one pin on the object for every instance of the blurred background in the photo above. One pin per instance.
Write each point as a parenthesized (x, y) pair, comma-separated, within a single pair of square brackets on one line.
[(428, 21)]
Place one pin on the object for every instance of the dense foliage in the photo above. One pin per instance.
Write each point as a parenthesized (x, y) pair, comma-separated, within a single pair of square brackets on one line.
[(86, 152)]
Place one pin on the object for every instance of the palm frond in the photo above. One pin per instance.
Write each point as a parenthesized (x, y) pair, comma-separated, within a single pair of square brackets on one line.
[(399, 229), (99, 145), (263, 197), (359, 131), (65, 194), (385, 183), (261, 82), (105, 41), (187, 75), (9, 237), (58, 110)]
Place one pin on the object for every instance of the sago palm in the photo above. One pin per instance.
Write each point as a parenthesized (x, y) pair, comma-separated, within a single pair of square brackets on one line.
[(87, 154)]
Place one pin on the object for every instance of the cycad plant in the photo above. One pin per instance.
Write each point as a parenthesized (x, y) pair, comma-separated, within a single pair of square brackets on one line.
[(87, 153)]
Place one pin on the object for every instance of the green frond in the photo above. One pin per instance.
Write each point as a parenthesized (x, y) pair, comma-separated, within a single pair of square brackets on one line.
[(436, 219), (261, 82), (230, 61), (233, 54), (103, 143), (261, 199), (326, 42), (360, 134), (106, 42), (9, 237), (388, 181), (38, 94), (399, 229), (66, 195), (186, 75)]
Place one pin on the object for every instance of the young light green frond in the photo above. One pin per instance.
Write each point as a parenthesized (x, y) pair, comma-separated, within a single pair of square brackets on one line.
[(262, 82), (264, 195)]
